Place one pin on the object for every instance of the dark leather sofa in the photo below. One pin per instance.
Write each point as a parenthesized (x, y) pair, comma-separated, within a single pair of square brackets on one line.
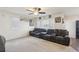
[(2, 44), (54, 35)]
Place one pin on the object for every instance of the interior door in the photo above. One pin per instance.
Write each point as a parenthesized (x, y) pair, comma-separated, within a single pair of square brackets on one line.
[(77, 29)]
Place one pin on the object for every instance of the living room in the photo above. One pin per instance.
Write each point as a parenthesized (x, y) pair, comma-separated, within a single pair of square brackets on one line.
[(17, 23)]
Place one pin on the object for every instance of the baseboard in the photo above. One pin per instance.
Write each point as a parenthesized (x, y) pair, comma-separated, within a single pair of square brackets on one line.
[(17, 38)]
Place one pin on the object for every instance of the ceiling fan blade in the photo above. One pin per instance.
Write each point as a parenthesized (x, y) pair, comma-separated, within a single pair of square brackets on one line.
[(29, 10), (30, 13), (42, 12)]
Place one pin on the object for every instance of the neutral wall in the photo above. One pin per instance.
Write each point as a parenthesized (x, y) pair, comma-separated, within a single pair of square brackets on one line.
[(70, 25), (44, 23), (50, 23), (11, 27)]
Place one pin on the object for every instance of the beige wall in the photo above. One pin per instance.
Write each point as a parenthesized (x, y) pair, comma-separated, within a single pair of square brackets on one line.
[(44, 23), (11, 27), (50, 23), (70, 24)]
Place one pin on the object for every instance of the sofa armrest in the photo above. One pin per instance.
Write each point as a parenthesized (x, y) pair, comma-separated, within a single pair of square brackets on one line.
[(3, 39), (30, 32), (67, 40), (2, 44)]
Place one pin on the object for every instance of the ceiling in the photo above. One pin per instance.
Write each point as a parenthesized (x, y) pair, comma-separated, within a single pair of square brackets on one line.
[(48, 10)]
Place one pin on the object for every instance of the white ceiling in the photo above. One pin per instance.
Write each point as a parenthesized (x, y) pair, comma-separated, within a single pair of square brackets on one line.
[(48, 10)]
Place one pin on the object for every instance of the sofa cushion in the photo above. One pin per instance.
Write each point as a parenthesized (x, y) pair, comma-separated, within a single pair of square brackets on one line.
[(50, 31), (39, 30), (61, 32)]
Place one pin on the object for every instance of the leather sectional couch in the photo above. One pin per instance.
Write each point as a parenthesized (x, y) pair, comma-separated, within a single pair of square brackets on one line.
[(54, 35), (2, 44)]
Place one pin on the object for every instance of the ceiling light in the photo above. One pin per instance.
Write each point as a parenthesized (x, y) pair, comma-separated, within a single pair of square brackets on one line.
[(36, 13)]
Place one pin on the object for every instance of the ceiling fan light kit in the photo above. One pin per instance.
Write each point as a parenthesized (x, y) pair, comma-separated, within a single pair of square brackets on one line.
[(36, 11)]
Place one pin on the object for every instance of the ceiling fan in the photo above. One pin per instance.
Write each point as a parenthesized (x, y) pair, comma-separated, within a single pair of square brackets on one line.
[(35, 11)]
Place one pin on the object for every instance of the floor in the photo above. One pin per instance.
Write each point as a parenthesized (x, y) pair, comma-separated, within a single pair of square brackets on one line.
[(75, 44), (32, 44)]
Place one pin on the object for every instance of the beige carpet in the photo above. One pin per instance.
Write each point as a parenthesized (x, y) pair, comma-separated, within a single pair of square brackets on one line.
[(32, 44)]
